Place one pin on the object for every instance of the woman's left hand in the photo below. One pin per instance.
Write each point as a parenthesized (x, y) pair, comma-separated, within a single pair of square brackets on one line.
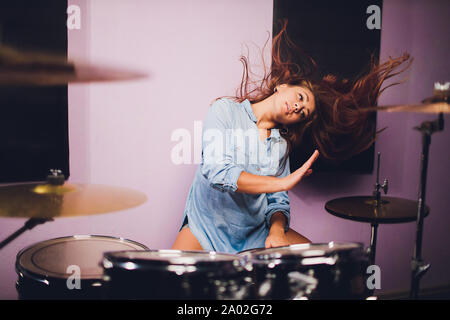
[(276, 238)]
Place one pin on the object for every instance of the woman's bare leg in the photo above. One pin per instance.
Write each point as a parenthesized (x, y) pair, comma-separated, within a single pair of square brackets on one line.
[(186, 241), (294, 237)]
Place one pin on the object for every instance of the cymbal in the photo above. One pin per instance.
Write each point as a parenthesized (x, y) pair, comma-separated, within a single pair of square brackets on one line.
[(436, 107), (367, 209), (41, 69), (45, 200), (438, 103)]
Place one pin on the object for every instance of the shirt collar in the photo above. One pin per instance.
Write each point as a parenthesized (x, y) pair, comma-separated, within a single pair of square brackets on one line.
[(248, 108), (274, 133)]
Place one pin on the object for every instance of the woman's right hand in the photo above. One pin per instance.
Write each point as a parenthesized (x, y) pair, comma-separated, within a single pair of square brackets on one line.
[(255, 184), (295, 177)]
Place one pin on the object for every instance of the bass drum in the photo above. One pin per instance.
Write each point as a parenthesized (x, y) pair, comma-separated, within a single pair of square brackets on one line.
[(310, 271), (67, 267), (175, 274)]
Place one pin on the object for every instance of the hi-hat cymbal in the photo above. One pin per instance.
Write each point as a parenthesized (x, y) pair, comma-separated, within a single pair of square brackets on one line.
[(36, 200), (367, 209), (39, 69)]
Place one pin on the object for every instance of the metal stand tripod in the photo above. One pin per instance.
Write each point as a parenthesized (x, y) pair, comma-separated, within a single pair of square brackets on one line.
[(418, 266)]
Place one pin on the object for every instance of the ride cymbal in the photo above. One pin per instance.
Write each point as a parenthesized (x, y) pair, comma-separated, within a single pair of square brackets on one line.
[(367, 209)]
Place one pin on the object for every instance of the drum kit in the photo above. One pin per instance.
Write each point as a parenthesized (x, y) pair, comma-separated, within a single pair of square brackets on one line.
[(117, 268)]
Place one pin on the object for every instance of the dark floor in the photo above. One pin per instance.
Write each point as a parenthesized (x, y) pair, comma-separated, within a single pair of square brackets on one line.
[(436, 294)]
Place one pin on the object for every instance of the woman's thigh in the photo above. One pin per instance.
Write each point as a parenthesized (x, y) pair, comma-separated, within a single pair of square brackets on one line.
[(294, 237), (186, 241)]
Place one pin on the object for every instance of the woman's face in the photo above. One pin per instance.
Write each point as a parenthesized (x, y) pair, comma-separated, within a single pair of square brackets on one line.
[(293, 104)]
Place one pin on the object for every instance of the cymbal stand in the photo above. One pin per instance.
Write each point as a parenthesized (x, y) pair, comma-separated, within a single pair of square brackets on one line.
[(418, 266), (377, 198), (29, 224), (55, 178)]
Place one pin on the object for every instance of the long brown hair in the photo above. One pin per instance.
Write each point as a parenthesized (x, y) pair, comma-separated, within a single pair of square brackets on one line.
[(338, 126)]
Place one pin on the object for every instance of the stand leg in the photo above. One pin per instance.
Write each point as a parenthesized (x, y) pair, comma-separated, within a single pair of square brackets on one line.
[(418, 267), (30, 224), (373, 242)]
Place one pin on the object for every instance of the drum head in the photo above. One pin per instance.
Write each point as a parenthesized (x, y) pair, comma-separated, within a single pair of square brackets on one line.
[(149, 258), (52, 258), (301, 250)]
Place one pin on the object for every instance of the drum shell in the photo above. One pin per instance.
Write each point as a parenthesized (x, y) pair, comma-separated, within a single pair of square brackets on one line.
[(37, 288), (154, 281), (33, 285), (339, 275)]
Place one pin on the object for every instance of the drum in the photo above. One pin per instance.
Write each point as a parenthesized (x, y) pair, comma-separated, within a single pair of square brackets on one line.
[(175, 274), (310, 271), (66, 268)]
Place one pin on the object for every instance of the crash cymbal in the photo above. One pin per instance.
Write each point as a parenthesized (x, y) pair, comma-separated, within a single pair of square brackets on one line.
[(39, 69), (367, 209), (438, 103), (437, 107), (67, 200)]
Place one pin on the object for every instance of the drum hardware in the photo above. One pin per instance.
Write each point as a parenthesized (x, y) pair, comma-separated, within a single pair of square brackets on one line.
[(175, 274), (310, 271), (55, 198), (437, 104), (42, 202), (375, 210), (29, 224), (426, 129), (365, 209), (301, 285), (377, 198), (42, 69), (55, 178), (46, 269)]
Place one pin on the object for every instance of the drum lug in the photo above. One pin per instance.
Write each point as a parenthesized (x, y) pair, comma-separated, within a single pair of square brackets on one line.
[(419, 268)]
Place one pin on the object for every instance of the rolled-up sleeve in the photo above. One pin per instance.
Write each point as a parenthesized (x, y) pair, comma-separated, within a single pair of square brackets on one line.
[(218, 165), (279, 202)]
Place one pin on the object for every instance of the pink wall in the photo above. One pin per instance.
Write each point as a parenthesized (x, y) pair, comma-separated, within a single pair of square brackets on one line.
[(420, 28), (120, 133)]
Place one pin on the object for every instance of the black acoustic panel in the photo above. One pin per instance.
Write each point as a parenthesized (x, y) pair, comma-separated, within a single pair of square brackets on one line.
[(336, 36), (33, 120)]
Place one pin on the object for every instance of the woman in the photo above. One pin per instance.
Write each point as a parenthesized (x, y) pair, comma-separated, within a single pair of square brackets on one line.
[(239, 199)]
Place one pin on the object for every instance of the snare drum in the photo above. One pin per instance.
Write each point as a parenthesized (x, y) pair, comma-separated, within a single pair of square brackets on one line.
[(174, 274), (66, 268), (310, 271)]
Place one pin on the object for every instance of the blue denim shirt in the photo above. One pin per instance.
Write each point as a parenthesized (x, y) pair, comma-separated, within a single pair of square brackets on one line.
[(219, 217)]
